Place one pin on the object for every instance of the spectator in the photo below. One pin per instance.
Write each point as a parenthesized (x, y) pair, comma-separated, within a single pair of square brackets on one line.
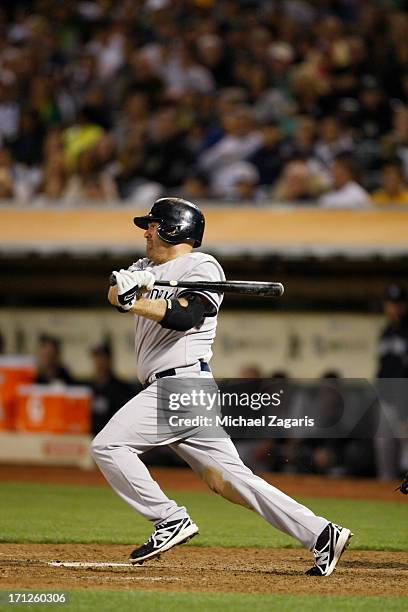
[(239, 142), (297, 183), (303, 142), (395, 143), (375, 112), (213, 55), (109, 392), (97, 108), (226, 103), (16, 180), (107, 46), (308, 87), (131, 162), (26, 150), (333, 141), (9, 112), (302, 146), (55, 173), (268, 157), (166, 156), (182, 75), (7, 180), (139, 76), (194, 187), (54, 178), (43, 99), (49, 366), (241, 182), (80, 137), (89, 182), (280, 56), (27, 144), (372, 123), (135, 115), (347, 192), (394, 189), (106, 160)]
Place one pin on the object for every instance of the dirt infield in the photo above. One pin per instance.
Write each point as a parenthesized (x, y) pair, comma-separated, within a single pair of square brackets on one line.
[(184, 479), (191, 568)]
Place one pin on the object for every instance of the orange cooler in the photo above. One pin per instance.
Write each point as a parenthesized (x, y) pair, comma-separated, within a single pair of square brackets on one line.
[(53, 409), (15, 370), (41, 408), (78, 409)]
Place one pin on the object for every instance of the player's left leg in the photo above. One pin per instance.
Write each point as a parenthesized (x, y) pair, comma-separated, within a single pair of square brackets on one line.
[(219, 465), (117, 450)]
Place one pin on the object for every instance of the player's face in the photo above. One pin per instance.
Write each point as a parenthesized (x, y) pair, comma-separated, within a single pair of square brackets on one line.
[(160, 251), (155, 247), (394, 311)]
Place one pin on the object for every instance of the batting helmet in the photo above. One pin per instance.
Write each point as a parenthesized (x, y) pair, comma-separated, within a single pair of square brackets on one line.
[(178, 219)]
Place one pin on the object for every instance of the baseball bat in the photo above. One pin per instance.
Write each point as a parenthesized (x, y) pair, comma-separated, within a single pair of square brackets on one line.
[(257, 288)]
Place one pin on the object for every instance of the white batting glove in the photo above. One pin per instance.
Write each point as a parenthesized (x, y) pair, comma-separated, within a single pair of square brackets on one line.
[(143, 279), (131, 285)]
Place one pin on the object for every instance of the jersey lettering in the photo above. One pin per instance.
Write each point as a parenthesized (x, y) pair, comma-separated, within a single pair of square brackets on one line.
[(156, 294)]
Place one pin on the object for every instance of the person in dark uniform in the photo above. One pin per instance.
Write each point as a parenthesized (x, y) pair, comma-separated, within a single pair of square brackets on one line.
[(391, 453), (49, 366), (109, 392), (393, 346)]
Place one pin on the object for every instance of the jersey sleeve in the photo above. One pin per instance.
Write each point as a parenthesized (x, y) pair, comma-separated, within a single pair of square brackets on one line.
[(138, 265), (209, 270)]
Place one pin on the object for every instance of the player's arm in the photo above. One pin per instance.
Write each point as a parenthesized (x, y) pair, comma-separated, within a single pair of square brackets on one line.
[(205, 271), (180, 314), (143, 307), (113, 296)]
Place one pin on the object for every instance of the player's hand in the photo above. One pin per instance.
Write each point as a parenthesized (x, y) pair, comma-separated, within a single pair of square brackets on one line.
[(143, 279), (131, 285)]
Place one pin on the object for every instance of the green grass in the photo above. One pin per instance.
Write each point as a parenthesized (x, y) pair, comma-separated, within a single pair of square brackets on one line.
[(106, 601), (53, 513)]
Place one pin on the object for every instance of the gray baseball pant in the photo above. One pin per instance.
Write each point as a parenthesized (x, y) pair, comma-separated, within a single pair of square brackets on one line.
[(133, 431)]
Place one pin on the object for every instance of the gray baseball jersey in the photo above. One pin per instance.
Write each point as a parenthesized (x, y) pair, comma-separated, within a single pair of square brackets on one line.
[(159, 349)]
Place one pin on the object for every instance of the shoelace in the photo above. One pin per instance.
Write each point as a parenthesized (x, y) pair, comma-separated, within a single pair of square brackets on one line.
[(162, 533)]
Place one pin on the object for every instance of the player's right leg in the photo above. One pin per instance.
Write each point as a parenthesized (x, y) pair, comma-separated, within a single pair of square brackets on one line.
[(116, 451), (219, 465)]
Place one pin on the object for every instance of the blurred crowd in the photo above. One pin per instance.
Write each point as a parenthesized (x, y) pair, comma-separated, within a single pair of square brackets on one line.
[(278, 100)]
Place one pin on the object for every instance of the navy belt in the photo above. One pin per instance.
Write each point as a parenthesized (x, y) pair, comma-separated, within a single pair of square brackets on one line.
[(204, 367)]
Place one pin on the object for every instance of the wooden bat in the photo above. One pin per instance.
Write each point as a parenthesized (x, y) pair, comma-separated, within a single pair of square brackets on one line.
[(257, 288)]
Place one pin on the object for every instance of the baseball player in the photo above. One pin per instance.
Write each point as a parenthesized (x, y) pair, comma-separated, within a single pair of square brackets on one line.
[(174, 331)]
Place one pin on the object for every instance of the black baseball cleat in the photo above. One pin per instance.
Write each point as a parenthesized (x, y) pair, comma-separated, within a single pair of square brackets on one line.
[(329, 547), (165, 536)]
